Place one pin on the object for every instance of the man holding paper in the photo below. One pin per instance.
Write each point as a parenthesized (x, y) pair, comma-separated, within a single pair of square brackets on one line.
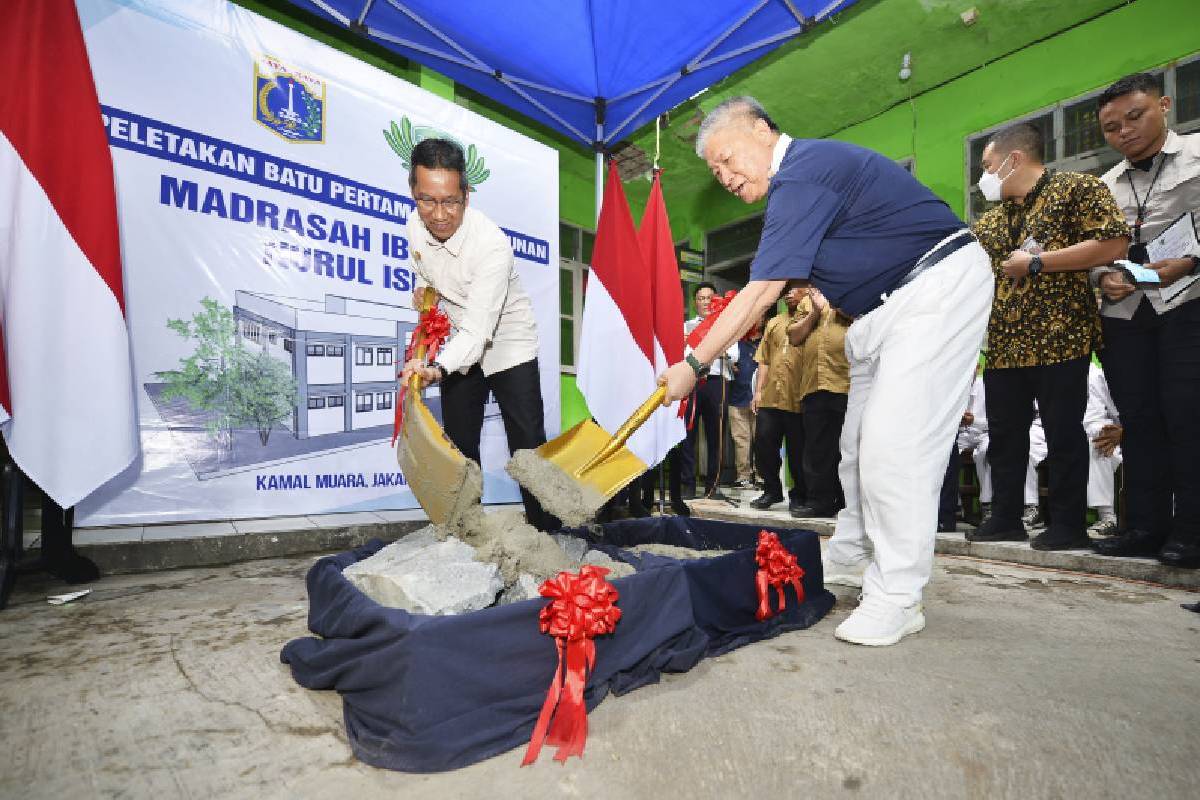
[(1043, 236), (1151, 349)]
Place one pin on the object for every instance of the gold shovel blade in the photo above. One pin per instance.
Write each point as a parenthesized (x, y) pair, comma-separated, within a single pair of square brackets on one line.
[(444, 481), (574, 451)]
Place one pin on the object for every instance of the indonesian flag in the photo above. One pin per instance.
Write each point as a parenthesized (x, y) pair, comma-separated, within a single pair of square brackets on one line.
[(66, 397), (658, 251), (619, 355)]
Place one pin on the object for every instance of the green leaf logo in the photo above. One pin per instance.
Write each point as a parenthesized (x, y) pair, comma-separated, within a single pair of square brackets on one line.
[(402, 138)]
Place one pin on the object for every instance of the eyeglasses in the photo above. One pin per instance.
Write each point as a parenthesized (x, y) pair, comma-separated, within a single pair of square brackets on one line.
[(451, 205)]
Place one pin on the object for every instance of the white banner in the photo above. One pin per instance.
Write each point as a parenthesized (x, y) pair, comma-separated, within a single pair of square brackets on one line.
[(262, 185)]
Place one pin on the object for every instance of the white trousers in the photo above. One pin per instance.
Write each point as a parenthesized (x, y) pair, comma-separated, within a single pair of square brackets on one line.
[(1101, 469), (911, 363)]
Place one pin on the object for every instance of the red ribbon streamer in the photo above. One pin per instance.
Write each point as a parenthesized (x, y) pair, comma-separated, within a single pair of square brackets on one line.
[(715, 307), (433, 328), (776, 567), (581, 607)]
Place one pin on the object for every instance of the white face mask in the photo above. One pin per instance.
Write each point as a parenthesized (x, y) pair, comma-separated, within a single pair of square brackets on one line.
[(990, 183)]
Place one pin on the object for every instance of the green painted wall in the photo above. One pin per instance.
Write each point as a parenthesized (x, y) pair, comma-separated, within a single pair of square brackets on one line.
[(1074, 63), (1101, 42)]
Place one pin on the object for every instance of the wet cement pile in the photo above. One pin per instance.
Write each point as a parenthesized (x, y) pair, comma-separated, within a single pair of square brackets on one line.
[(559, 493)]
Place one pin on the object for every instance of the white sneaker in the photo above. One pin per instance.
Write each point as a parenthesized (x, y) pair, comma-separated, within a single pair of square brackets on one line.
[(1104, 527), (839, 574), (878, 623)]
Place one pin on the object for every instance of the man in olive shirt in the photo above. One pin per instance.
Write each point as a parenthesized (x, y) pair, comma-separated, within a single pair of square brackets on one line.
[(1151, 349), (777, 405), (1044, 236), (824, 390)]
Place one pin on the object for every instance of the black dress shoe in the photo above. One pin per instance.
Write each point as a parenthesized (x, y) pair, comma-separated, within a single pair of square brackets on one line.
[(1132, 542), (680, 508), (1181, 552), (805, 511), (1061, 539), (73, 568), (994, 530), (766, 500)]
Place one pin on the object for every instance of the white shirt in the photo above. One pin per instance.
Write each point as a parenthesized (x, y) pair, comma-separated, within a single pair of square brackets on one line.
[(778, 153), (1100, 409), (722, 366), (1175, 192), (474, 273)]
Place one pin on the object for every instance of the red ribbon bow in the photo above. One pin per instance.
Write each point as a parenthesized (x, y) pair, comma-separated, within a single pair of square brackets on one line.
[(715, 307), (433, 328), (581, 607), (776, 567)]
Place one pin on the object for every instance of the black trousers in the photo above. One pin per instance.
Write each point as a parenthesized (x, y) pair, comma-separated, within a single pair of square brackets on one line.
[(824, 413), (1061, 394), (518, 392), (773, 428), (709, 409), (649, 480), (948, 497), (1152, 363)]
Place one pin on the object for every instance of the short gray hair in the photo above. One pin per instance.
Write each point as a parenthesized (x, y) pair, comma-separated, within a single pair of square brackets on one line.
[(742, 108)]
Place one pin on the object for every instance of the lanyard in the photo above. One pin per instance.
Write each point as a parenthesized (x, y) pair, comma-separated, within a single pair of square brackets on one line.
[(1142, 203)]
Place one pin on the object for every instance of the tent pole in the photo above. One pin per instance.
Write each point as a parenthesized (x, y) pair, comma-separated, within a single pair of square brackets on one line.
[(601, 110), (599, 185)]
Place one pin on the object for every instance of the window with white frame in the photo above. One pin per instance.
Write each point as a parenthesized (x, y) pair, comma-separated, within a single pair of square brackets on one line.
[(383, 400), (336, 401), (335, 350), (383, 356), (364, 357), (315, 350), (1074, 142), (364, 402), (316, 402), (575, 253)]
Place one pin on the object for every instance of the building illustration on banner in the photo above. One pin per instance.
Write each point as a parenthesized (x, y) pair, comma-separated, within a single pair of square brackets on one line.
[(285, 378)]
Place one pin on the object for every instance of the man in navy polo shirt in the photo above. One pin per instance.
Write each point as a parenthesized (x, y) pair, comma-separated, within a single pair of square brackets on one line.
[(883, 249)]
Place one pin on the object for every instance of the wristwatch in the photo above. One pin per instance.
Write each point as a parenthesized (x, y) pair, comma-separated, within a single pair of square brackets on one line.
[(695, 364), (441, 370), (1035, 265), (1195, 265)]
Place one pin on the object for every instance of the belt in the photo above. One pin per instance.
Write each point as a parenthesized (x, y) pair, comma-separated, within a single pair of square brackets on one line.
[(932, 258), (951, 245)]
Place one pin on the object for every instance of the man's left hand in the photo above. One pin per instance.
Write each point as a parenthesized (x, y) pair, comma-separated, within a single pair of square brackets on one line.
[(679, 379), (1107, 440), (1171, 269), (424, 372), (1016, 266)]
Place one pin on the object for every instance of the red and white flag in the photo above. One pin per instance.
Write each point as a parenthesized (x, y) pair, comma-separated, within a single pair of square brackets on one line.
[(666, 296), (619, 354), (66, 388)]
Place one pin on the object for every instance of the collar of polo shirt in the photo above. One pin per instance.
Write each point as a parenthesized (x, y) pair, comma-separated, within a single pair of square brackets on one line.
[(778, 153), (1171, 145)]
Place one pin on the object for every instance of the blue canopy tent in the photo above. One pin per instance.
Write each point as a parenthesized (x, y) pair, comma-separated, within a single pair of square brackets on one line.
[(594, 70)]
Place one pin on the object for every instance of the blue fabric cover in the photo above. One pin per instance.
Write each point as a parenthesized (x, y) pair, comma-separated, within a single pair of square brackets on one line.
[(621, 50), (427, 694)]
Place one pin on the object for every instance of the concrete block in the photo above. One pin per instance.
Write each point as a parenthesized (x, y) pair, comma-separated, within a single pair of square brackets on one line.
[(425, 576)]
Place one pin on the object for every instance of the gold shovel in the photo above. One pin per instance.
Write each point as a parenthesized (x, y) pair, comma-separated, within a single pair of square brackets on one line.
[(445, 482), (577, 472)]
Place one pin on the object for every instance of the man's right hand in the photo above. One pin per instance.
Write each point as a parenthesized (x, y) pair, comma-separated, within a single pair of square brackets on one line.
[(1115, 286), (754, 401)]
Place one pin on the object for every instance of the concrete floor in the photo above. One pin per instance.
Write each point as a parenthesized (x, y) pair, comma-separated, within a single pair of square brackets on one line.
[(1026, 684)]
